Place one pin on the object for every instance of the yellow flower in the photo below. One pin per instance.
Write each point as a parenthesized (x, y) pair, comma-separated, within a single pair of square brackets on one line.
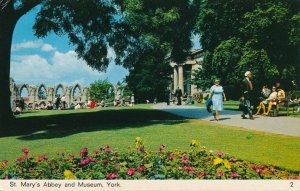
[(138, 142), (195, 143), (226, 164), (218, 161), (3, 165), (69, 175)]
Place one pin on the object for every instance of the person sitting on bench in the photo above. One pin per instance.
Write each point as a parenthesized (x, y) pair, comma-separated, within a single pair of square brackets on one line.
[(272, 98), (279, 100)]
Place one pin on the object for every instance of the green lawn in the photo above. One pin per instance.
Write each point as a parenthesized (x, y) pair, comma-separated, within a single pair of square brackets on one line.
[(49, 132)]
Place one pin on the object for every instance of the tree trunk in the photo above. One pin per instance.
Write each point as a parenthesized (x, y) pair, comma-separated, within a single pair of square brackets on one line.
[(7, 23)]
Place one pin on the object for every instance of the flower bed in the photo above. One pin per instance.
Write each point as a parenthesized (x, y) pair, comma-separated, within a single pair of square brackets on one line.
[(139, 163)]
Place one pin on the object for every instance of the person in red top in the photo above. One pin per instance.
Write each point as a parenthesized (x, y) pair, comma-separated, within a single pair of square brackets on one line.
[(93, 103)]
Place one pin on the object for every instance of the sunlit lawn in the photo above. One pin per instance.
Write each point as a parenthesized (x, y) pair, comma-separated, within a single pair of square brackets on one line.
[(49, 132)]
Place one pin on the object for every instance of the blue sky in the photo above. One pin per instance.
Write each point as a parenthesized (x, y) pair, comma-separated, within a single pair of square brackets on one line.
[(51, 60)]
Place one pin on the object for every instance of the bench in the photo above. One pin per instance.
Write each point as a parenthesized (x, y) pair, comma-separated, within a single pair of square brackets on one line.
[(285, 104)]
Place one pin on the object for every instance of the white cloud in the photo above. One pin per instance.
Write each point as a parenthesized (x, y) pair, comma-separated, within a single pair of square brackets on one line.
[(47, 48), (60, 67), (38, 44)]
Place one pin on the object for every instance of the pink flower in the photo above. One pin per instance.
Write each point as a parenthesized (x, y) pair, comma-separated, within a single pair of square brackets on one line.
[(5, 161), (189, 168), (111, 176), (131, 171), (108, 150), (253, 167), (96, 151), (105, 160), (142, 168), (234, 174), (220, 173), (184, 159), (258, 171), (84, 152), (220, 153), (262, 166), (72, 155), (25, 150)]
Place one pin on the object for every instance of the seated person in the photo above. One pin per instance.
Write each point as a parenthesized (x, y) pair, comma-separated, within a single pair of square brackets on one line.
[(18, 110), (271, 99), (265, 92), (294, 102), (280, 100), (78, 106)]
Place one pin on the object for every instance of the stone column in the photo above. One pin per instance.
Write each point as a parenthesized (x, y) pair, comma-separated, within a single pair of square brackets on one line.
[(180, 78), (175, 78)]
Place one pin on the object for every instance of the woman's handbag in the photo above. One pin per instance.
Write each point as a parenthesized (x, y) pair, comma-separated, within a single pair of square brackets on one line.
[(208, 104)]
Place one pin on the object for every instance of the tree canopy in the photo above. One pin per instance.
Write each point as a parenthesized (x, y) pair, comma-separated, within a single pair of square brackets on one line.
[(261, 36)]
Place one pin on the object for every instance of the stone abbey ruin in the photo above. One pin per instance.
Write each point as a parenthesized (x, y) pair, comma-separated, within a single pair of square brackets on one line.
[(39, 96)]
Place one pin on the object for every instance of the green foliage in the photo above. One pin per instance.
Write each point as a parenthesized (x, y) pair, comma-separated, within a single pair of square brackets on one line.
[(261, 36), (151, 31), (101, 90), (139, 163)]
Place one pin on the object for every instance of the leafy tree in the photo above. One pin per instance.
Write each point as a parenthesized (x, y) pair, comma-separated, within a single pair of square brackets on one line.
[(87, 24), (261, 36), (151, 30), (101, 90)]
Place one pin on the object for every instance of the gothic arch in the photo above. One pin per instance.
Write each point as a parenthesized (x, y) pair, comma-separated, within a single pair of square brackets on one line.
[(57, 88), (42, 95), (21, 87), (74, 96)]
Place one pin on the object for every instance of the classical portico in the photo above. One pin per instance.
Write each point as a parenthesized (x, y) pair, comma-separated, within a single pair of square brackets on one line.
[(182, 72)]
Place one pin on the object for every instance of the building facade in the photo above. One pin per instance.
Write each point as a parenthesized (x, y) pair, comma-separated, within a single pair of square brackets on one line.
[(183, 72)]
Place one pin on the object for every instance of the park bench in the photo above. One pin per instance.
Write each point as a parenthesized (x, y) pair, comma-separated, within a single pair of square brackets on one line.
[(285, 104)]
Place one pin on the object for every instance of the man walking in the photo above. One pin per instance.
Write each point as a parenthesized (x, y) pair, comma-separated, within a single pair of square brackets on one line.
[(247, 88), (178, 94)]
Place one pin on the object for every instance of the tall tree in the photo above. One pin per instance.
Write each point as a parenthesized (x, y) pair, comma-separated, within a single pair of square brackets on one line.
[(101, 90), (87, 24), (261, 36), (152, 29)]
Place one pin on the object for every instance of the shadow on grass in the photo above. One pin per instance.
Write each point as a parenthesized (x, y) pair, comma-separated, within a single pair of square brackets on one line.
[(58, 126)]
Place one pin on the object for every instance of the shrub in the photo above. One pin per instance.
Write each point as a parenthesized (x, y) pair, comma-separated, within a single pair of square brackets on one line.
[(140, 163)]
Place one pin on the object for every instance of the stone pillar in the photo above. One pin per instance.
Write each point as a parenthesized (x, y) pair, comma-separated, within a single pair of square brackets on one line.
[(175, 79), (180, 78)]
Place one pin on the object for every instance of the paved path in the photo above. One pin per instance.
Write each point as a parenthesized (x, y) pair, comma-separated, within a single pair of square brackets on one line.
[(279, 125)]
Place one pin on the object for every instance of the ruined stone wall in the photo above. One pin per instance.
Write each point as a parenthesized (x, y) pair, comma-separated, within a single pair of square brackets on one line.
[(40, 95)]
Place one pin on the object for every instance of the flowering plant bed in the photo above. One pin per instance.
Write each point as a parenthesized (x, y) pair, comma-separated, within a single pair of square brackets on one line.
[(139, 163)]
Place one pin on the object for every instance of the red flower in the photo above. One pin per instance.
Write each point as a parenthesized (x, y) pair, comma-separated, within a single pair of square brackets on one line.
[(108, 150), (262, 166), (162, 147), (72, 155), (141, 148), (5, 161), (202, 174), (253, 167), (171, 157), (258, 171), (184, 159), (20, 159), (220, 173), (43, 157), (111, 176), (84, 152), (234, 174), (131, 171), (25, 150), (142, 168), (105, 160), (189, 168), (96, 151)]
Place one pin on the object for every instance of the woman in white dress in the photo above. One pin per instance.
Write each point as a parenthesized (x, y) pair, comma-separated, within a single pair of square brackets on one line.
[(217, 95)]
